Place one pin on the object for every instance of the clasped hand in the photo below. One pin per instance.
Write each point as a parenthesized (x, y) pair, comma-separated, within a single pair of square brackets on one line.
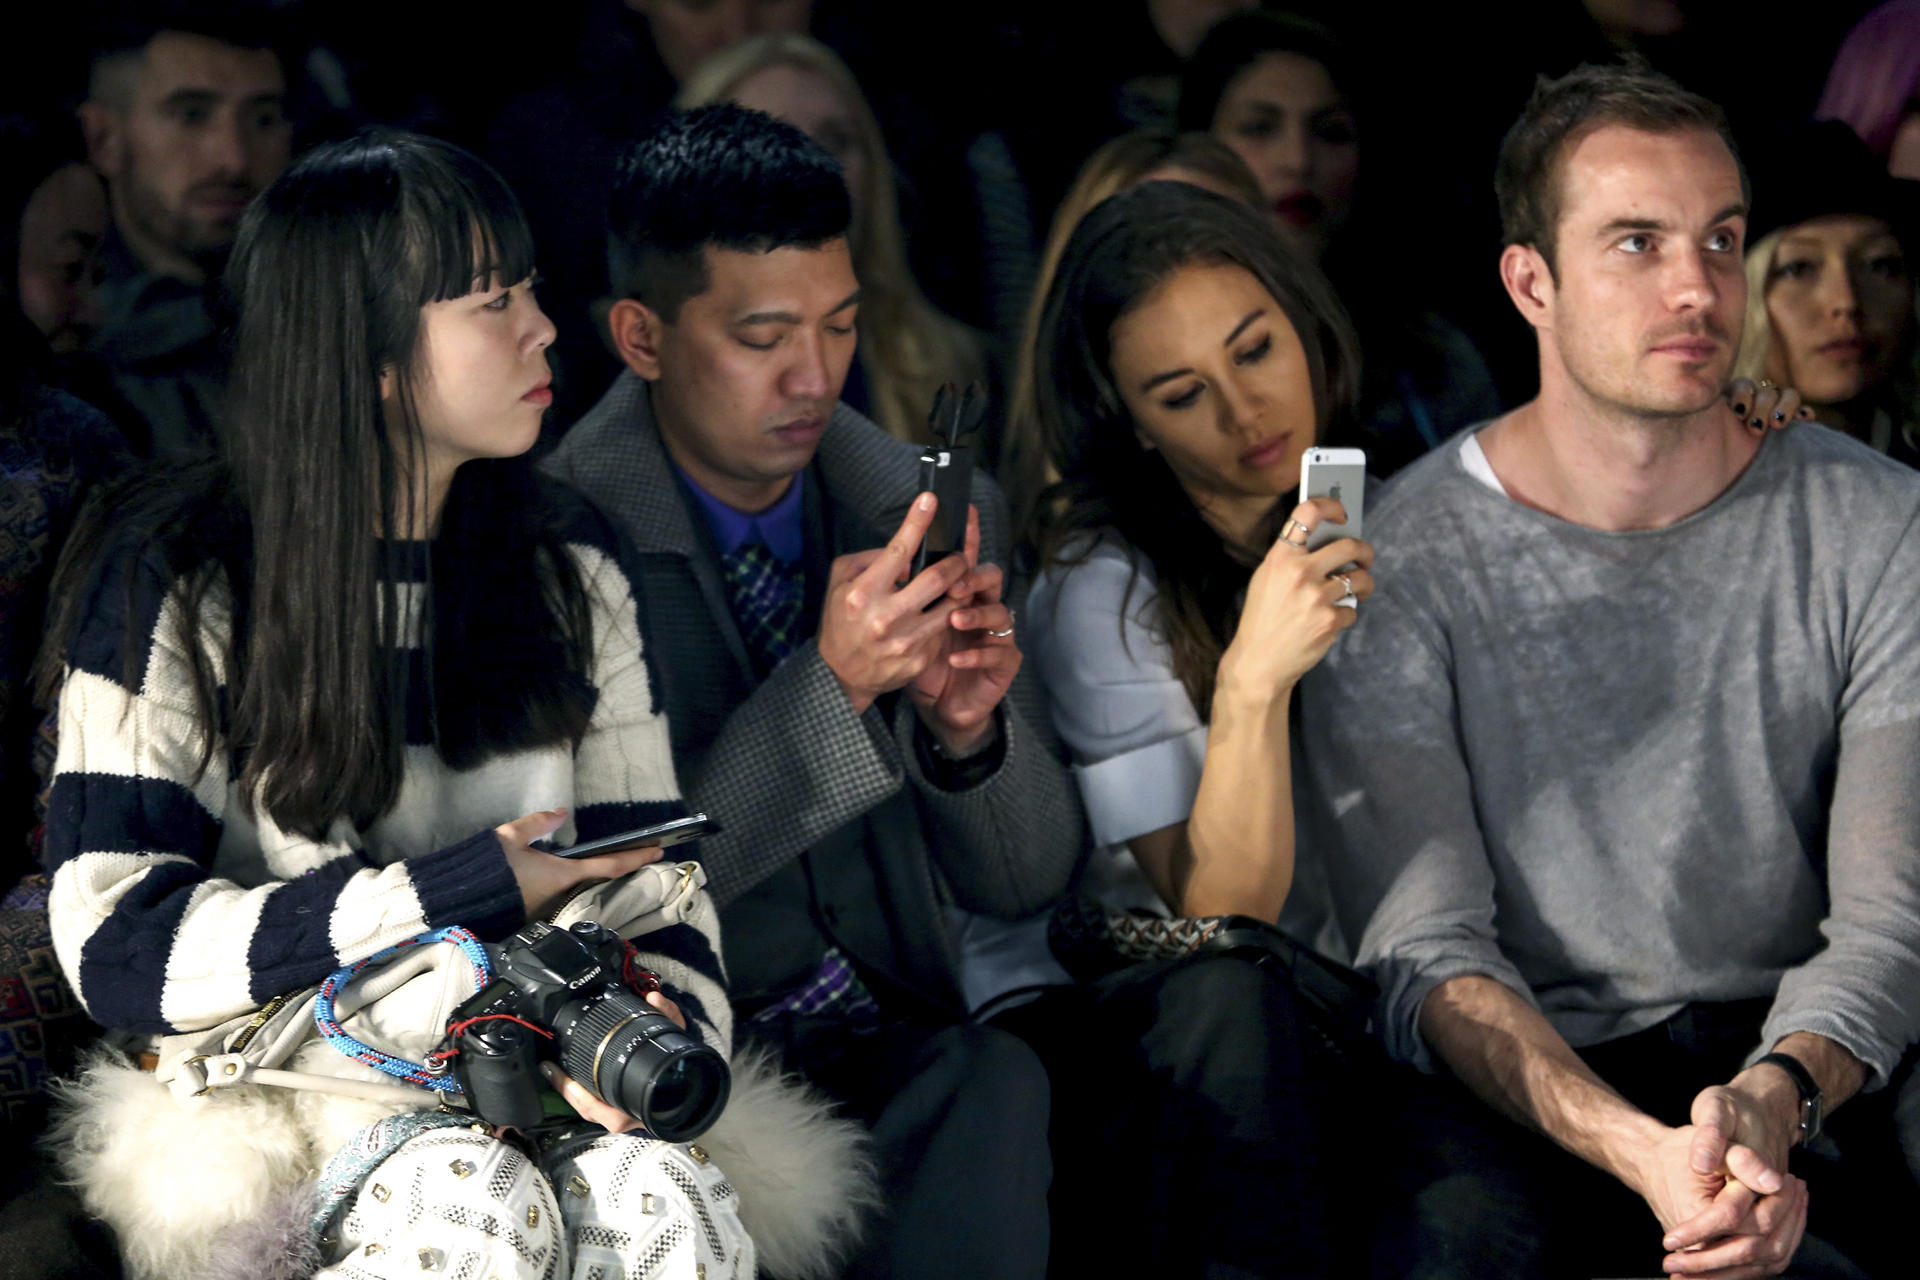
[(931, 635), (1721, 1191)]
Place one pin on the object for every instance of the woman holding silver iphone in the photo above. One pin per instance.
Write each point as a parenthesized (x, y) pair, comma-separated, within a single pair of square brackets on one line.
[(1191, 358), (1187, 358)]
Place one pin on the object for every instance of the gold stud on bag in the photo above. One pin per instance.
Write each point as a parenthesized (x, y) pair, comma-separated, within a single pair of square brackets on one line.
[(380, 1193), (462, 1168)]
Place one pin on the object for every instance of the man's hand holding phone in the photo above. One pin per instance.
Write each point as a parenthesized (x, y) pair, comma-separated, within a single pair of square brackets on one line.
[(880, 628), (956, 694)]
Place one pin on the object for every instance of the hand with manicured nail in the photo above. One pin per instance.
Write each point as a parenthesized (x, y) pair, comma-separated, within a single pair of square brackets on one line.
[(1764, 408)]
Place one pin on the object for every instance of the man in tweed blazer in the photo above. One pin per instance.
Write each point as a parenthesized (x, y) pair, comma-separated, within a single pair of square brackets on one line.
[(861, 822)]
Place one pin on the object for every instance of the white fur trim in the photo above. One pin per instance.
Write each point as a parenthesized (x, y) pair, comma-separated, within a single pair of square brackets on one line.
[(175, 1180), (805, 1176)]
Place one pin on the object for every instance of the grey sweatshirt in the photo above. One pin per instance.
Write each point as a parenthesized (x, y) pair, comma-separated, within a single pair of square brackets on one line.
[(1620, 772)]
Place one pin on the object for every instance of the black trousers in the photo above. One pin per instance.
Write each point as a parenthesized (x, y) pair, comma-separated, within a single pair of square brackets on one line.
[(1474, 1194), (1184, 1123), (45, 1234), (958, 1117)]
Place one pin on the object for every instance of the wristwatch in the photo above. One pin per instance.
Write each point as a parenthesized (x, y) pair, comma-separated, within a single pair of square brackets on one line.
[(1813, 1107)]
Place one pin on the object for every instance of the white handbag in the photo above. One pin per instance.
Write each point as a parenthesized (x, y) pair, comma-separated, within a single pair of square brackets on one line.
[(402, 1006)]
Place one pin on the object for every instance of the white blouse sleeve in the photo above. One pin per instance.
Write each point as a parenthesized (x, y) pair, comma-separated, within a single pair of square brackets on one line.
[(1136, 740)]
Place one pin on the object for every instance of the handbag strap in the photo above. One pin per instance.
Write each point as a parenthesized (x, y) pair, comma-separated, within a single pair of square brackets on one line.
[(432, 1074)]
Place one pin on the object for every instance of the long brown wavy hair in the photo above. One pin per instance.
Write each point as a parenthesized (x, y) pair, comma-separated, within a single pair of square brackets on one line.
[(1109, 483), (1117, 164)]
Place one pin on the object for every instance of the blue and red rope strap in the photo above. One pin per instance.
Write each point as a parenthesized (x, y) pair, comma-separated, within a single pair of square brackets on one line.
[(411, 1072)]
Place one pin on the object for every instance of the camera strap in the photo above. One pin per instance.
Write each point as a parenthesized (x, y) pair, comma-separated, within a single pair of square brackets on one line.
[(430, 1074)]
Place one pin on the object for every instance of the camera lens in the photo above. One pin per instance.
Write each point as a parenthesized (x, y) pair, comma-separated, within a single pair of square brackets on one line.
[(635, 1057), (683, 1091)]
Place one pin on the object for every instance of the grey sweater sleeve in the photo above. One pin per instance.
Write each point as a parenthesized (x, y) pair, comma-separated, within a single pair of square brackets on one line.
[(1392, 805), (1862, 989)]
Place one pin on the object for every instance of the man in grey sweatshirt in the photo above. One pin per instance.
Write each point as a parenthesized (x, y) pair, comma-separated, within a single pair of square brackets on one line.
[(1618, 773)]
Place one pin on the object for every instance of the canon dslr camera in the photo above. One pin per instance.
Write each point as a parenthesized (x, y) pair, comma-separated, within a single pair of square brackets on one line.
[(583, 985)]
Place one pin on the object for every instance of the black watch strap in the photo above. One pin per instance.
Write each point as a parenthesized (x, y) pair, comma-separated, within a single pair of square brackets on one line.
[(1812, 1101)]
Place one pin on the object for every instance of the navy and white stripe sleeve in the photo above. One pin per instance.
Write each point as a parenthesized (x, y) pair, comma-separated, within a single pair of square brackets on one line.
[(151, 940)]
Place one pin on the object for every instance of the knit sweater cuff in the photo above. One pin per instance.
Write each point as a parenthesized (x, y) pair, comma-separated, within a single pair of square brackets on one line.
[(469, 884)]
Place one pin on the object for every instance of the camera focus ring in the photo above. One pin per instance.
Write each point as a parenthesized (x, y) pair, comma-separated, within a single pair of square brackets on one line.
[(593, 1030)]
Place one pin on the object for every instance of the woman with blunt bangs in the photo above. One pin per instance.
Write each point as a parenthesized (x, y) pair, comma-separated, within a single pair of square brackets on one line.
[(320, 697), (1187, 358)]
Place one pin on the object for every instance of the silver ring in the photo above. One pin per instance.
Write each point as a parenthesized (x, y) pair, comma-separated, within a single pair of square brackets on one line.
[(1349, 600), (1002, 635), (1286, 533)]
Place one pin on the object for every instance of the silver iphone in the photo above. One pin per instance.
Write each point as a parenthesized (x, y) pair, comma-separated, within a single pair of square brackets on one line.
[(1340, 474)]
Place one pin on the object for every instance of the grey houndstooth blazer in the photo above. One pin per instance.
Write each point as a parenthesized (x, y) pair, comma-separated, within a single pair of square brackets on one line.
[(785, 764)]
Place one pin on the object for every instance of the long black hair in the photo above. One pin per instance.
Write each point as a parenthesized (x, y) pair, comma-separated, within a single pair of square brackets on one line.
[(1120, 254), (330, 270)]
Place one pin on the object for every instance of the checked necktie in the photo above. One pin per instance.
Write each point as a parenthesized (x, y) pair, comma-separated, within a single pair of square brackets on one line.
[(767, 594)]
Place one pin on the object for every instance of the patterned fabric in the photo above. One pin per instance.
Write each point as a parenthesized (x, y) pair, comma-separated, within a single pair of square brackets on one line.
[(366, 1151), (427, 1193), (834, 988), (450, 1201), (174, 910), (42, 1026), (767, 597), (639, 1208)]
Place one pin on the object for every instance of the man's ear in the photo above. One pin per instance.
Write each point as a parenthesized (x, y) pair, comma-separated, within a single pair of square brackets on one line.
[(106, 138), (1530, 283), (636, 332)]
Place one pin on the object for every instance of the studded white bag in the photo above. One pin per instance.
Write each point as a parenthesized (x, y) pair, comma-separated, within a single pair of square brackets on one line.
[(454, 1201)]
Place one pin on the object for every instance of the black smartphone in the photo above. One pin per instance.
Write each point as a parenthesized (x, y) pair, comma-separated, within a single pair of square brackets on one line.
[(946, 471), (659, 835)]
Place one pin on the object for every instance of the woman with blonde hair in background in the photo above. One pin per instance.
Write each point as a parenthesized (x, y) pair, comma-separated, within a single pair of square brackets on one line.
[(1126, 161), (907, 346), (1830, 297)]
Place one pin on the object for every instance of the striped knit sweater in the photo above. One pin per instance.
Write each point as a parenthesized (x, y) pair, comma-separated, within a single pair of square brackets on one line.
[(173, 910)]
